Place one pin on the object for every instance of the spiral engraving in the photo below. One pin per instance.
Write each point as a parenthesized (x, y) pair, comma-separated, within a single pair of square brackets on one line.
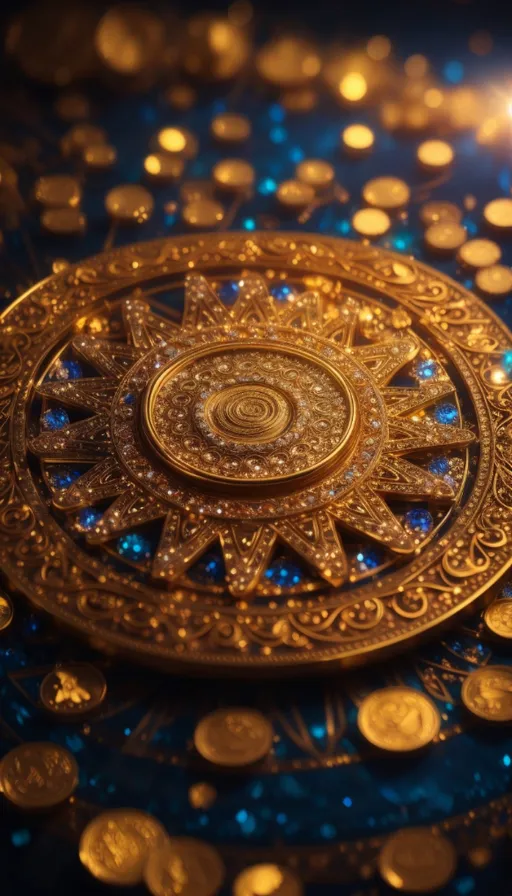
[(249, 413)]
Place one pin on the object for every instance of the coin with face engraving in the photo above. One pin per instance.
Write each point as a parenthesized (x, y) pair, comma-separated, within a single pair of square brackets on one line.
[(487, 693), (38, 775), (115, 845)]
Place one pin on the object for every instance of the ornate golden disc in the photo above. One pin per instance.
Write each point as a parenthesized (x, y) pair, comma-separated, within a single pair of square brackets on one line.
[(313, 419)]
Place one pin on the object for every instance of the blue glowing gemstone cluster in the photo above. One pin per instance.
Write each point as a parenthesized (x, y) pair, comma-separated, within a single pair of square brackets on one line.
[(419, 521), (228, 291), (129, 398), (506, 362), (63, 477), (134, 547), (55, 419), (284, 573), (66, 370), (439, 466), (426, 369), (88, 517), (368, 559), (446, 413), (282, 292), (209, 570)]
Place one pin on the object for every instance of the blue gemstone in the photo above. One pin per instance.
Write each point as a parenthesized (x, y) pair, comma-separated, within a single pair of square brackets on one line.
[(63, 477), (439, 466), (419, 520), (228, 292), (506, 591), (134, 547), (56, 418), (446, 413), (282, 292), (88, 517), (368, 559), (284, 573), (209, 570), (66, 370), (507, 362), (426, 369), (129, 398)]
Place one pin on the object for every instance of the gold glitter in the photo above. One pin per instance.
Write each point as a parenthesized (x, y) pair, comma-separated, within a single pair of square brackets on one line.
[(487, 693), (233, 175), (178, 141), (417, 860), (371, 222), (99, 156), (489, 132), (438, 210), (73, 689), (129, 204), (267, 880), (479, 253), (161, 167), (231, 128), (316, 173), (353, 87), (58, 191), (378, 47), (357, 138), (63, 221), (60, 265), (498, 213), (495, 281), (294, 194), (288, 62), (445, 236), (389, 193), (202, 212), (435, 155), (398, 719), (215, 48)]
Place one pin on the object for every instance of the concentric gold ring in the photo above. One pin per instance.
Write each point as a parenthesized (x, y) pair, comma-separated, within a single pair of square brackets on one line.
[(250, 413)]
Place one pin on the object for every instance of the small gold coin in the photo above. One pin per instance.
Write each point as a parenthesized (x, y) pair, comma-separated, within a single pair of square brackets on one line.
[(215, 48), (58, 191), (371, 222), (185, 866), (73, 689), (417, 861), (437, 211), (357, 139), (389, 193), (99, 156), (494, 281), (398, 719), (80, 136), (445, 236), (315, 173), (164, 168), (231, 128), (202, 795), (479, 253), (114, 847), (267, 880), (498, 213), (63, 221), (233, 737), (435, 155), (38, 775), (288, 62), (295, 195), (129, 39), (129, 204), (6, 612), (498, 618), (487, 693), (202, 212), (178, 142), (233, 175)]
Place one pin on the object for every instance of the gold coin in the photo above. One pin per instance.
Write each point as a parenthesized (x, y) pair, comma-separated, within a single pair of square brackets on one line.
[(371, 222), (357, 139), (185, 866), (215, 48), (202, 212), (58, 191), (38, 775), (129, 204), (63, 221), (233, 737), (398, 719), (288, 62), (498, 213), (498, 618), (233, 175), (6, 611), (164, 168), (417, 861), (73, 689), (80, 136), (178, 142), (479, 253), (99, 156), (315, 173), (231, 128), (295, 195), (114, 847), (445, 236), (267, 880), (487, 693), (435, 155), (494, 281), (129, 39), (196, 189), (202, 795), (437, 210), (389, 193)]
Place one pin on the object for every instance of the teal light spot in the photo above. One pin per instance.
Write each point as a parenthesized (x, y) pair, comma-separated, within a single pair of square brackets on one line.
[(454, 71), (506, 760), (328, 831), (267, 186), (318, 731), (249, 224), (347, 802), (296, 154), (278, 135), (465, 885), (21, 837)]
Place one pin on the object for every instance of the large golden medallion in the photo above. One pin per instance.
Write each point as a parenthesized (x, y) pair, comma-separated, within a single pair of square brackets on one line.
[(333, 442)]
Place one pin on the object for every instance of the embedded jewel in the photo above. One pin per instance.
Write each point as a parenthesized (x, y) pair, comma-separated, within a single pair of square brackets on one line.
[(134, 547), (426, 369), (419, 521), (446, 413), (439, 466), (55, 419)]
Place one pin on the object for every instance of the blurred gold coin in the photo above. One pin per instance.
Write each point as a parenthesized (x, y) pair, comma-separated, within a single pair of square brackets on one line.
[(357, 139), (267, 880), (437, 210), (487, 693), (72, 106), (8, 176), (233, 737), (73, 689), (295, 195), (435, 154), (233, 175), (479, 253), (378, 47), (186, 866), (129, 39), (398, 719), (129, 204), (181, 96), (202, 795), (196, 189), (99, 156), (494, 281), (417, 861), (389, 193), (498, 618), (288, 62), (353, 87), (202, 212), (38, 775), (80, 136), (498, 213), (215, 48), (58, 191), (114, 847), (371, 222), (63, 221), (6, 612), (299, 99), (231, 128), (164, 168), (315, 173), (445, 236), (178, 142)]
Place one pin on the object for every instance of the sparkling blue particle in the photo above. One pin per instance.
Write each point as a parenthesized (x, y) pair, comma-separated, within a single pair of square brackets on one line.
[(134, 547), (63, 477), (368, 559), (419, 520), (470, 226), (281, 818), (278, 134), (228, 291), (129, 398), (506, 591), (506, 760), (328, 831), (246, 821), (454, 71), (439, 466), (209, 570), (296, 154), (426, 369), (465, 885), (347, 802), (88, 517), (507, 362), (446, 413), (399, 243), (283, 573), (282, 292), (74, 743), (504, 180), (55, 419), (127, 732), (267, 186), (169, 219), (21, 837), (249, 224), (277, 113), (66, 370), (344, 227), (318, 731)]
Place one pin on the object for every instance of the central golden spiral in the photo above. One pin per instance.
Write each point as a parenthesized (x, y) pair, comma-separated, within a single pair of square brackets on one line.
[(249, 413)]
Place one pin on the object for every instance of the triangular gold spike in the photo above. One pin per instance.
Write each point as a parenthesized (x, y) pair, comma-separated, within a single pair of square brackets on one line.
[(366, 513), (86, 440), (182, 541), (396, 476), (342, 328), (406, 436), (384, 359), (93, 393), (146, 329), (104, 480), (314, 536), (254, 305), (111, 358), (202, 307), (247, 548), (132, 508), (400, 400), (306, 312)]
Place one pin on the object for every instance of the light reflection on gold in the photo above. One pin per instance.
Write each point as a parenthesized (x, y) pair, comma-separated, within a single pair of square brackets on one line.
[(353, 87)]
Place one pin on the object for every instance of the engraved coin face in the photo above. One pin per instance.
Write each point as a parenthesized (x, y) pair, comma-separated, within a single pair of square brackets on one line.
[(38, 775), (267, 879), (398, 719), (498, 618), (487, 693), (115, 845), (73, 689), (417, 861), (186, 866), (233, 737)]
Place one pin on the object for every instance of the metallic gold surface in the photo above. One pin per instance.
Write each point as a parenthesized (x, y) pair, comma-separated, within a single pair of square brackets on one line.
[(233, 175), (498, 213), (185, 866), (73, 689), (417, 860), (267, 880), (398, 719), (6, 611), (479, 253), (435, 155), (498, 618), (295, 194), (436, 211), (233, 737), (371, 222), (58, 191), (115, 846), (129, 203), (231, 128), (495, 280), (487, 693), (357, 139), (445, 237), (388, 193), (38, 775)]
